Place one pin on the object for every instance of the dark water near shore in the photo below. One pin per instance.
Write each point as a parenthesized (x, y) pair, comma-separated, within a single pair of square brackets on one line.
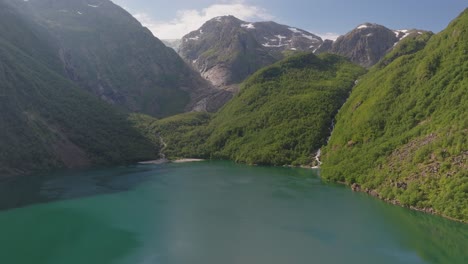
[(212, 212)]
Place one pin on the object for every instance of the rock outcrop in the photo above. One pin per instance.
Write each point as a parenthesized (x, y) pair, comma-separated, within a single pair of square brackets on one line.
[(107, 52), (367, 44), (226, 50)]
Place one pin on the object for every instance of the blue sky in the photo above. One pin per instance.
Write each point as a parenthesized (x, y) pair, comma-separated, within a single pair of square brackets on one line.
[(328, 18)]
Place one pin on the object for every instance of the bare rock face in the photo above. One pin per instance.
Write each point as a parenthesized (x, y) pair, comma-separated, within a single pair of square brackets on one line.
[(226, 50), (367, 43), (107, 52)]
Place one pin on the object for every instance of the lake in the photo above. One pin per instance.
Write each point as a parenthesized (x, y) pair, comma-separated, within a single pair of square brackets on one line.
[(212, 212)]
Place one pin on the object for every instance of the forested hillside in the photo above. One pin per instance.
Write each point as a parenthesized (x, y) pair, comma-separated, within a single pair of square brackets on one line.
[(48, 122), (402, 135), (282, 115)]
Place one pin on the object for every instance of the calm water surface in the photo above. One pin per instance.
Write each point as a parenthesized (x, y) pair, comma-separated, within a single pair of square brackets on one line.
[(212, 213)]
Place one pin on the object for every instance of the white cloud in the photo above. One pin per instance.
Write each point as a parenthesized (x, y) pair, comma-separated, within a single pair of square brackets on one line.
[(328, 35), (190, 20)]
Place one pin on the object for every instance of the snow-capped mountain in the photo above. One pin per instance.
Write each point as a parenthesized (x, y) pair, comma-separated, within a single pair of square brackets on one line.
[(367, 43), (226, 50)]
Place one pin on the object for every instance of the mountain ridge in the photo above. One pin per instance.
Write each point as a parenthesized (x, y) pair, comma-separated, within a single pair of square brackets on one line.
[(47, 121), (107, 52), (226, 50), (368, 43)]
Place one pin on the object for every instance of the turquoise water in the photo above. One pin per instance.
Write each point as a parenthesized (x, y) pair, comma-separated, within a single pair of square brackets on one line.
[(212, 212)]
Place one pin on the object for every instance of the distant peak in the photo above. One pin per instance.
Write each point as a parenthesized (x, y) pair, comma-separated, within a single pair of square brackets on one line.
[(367, 25), (225, 18)]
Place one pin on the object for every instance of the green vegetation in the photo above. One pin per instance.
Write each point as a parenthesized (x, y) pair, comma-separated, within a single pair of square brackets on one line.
[(107, 52), (403, 131), (281, 116), (283, 113), (184, 134), (48, 122)]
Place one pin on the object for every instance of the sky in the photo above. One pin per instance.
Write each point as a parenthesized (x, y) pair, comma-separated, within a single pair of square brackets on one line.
[(172, 19)]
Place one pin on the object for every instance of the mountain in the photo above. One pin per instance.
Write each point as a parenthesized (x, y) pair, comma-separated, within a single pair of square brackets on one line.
[(281, 116), (226, 50), (367, 43), (172, 43), (107, 52), (46, 120), (402, 134)]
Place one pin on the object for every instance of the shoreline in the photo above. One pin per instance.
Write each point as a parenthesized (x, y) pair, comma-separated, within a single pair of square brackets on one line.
[(430, 211), (354, 187), (165, 161)]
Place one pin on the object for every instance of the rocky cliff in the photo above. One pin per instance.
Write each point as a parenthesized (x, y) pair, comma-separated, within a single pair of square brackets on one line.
[(106, 51), (367, 43), (226, 50), (47, 121)]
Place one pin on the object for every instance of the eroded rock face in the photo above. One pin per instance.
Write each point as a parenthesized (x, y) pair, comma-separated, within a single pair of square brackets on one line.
[(367, 43), (226, 50), (107, 52)]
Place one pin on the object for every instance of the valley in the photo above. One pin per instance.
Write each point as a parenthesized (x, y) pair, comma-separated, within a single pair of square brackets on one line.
[(85, 85)]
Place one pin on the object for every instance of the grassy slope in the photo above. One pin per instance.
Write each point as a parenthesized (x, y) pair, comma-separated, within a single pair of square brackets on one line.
[(184, 134), (283, 113), (403, 131), (46, 121), (281, 116)]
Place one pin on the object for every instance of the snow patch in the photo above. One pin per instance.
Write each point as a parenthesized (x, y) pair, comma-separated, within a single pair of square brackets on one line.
[(405, 33), (195, 38), (280, 37), (310, 37), (369, 35), (362, 26), (79, 13), (268, 45), (295, 30), (248, 26), (293, 49), (94, 6)]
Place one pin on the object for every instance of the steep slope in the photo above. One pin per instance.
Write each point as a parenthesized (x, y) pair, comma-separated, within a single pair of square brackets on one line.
[(46, 121), (107, 52), (367, 43), (226, 50), (402, 135), (281, 116)]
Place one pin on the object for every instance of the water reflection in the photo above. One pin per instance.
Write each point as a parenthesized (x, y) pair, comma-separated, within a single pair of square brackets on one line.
[(27, 190), (213, 212)]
